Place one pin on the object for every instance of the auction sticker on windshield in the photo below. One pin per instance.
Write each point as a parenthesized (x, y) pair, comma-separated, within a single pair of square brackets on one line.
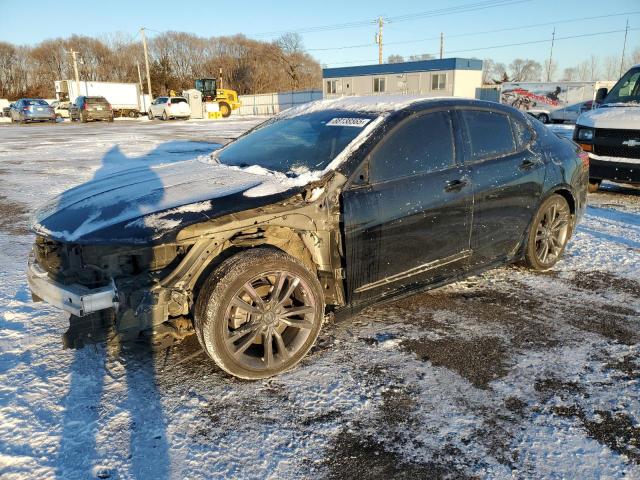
[(348, 122)]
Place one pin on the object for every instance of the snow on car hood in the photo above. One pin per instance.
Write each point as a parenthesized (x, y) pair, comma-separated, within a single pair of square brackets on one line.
[(620, 117), (143, 205)]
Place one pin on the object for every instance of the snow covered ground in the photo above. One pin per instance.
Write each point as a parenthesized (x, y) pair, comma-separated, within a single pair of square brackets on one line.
[(507, 375)]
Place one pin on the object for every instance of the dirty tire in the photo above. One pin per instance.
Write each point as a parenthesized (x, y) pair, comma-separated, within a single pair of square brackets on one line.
[(594, 185), (235, 325), (225, 109), (548, 234)]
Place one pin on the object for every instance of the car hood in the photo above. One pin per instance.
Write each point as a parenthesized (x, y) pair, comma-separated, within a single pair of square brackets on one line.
[(151, 204), (619, 117)]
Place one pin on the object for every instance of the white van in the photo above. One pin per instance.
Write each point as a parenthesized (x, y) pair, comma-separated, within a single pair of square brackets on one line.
[(611, 133)]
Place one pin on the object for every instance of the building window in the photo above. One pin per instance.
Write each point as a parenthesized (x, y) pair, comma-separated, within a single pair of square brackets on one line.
[(439, 81), (379, 85), (332, 86)]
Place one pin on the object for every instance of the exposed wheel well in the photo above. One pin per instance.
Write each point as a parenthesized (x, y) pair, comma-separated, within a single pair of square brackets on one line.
[(568, 196)]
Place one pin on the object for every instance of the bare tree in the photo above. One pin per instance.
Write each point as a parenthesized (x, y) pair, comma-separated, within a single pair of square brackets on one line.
[(395, 59), (525, 70)]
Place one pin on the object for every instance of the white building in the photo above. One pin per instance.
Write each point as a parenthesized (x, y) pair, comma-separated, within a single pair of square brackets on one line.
[(457, 77)]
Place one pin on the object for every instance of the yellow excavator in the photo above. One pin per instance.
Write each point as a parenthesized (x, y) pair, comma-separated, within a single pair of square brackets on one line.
[(212, 91)]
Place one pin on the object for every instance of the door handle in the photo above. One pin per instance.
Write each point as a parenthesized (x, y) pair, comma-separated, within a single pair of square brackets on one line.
[(527, 165), (456, 185)]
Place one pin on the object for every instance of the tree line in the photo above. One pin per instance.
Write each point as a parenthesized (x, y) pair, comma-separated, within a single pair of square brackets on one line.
[(176, 60), (527, 70)]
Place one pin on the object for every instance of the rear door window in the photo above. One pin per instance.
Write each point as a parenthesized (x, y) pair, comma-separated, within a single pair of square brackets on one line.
[(178, 100), (420, 145), (489, 132)]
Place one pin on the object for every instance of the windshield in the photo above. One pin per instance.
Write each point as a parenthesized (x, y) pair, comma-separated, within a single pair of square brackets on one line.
[(296, 145), (627, 90)]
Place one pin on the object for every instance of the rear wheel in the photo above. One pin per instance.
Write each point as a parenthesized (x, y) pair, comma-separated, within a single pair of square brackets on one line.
[(543, 117), (150, 115), (225, 109), (259, 313), (132, 114), (83, 118), (165, 116), (594, 185), (549, 233)]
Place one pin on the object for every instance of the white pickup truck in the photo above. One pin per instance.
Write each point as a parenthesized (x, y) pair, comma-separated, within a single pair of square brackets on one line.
[(611, 133)]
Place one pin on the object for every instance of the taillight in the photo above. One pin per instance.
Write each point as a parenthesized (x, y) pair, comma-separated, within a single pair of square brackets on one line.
[(169, 104), (26, 109), (85, 106), (584, 157)]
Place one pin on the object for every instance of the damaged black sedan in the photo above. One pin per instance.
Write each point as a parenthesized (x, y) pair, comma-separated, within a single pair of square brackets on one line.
[(324, 209)]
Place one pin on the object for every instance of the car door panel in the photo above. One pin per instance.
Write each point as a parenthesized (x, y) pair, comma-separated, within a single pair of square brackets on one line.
[(407, 230), (506, 191)]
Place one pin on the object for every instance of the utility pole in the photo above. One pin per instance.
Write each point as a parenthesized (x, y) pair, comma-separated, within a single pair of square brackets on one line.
[(624, 48), (144, 101), (441, 45), (146, 61), (74, 54), (379, 39), (553, 39)]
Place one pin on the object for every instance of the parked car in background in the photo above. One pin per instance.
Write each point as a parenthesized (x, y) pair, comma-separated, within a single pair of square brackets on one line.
[(31, 110), (571, 112), (61, 108), (328, 207), (85, 109), (611, 133), (169, 107)]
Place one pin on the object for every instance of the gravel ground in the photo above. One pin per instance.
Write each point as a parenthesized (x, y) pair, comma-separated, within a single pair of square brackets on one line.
[(506, 375)]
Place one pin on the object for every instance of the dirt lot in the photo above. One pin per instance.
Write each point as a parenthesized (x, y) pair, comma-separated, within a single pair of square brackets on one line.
[(506, 375)]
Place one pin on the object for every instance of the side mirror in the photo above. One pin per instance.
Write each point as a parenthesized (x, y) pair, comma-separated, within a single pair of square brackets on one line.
[(601, 94)]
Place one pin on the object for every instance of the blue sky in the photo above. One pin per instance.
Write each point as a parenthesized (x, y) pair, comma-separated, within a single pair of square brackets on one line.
[(28, 22)]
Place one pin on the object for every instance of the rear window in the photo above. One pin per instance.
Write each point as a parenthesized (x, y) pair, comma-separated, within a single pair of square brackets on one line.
[(96, 100), (490, 134), (178, 100), (35, 102)]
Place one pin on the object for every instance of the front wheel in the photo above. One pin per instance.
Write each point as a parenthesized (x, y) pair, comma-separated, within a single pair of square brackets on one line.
[(150, 115), (549, 233), (259, 313), (543, 117)]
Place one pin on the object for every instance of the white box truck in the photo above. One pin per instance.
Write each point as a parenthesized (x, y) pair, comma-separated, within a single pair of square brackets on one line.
[(611, 133), (125, 98), (543, 99)]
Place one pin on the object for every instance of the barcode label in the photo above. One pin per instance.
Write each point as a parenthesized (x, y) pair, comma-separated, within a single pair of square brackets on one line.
[(348, 122)]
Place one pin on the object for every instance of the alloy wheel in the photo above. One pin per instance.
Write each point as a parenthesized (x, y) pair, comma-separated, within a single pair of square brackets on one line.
[(269, 319), (552, 232)]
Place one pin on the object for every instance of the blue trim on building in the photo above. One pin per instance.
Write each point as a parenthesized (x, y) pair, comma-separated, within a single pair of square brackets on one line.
[(405, 67)]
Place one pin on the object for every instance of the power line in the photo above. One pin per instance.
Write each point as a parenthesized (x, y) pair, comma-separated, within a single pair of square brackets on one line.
[(467, 7), (482, 32), (531, 42)]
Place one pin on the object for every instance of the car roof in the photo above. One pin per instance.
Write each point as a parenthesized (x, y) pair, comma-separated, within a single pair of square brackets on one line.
[(386, 104)]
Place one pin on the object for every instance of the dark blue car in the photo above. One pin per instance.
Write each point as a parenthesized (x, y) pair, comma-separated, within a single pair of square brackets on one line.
[(326, 208)]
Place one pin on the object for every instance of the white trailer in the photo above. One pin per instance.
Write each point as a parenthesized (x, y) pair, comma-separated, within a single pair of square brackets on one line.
[(125, 98), (540, 99)]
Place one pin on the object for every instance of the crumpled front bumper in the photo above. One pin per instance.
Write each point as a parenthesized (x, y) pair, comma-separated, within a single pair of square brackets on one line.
[(75, 299)]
